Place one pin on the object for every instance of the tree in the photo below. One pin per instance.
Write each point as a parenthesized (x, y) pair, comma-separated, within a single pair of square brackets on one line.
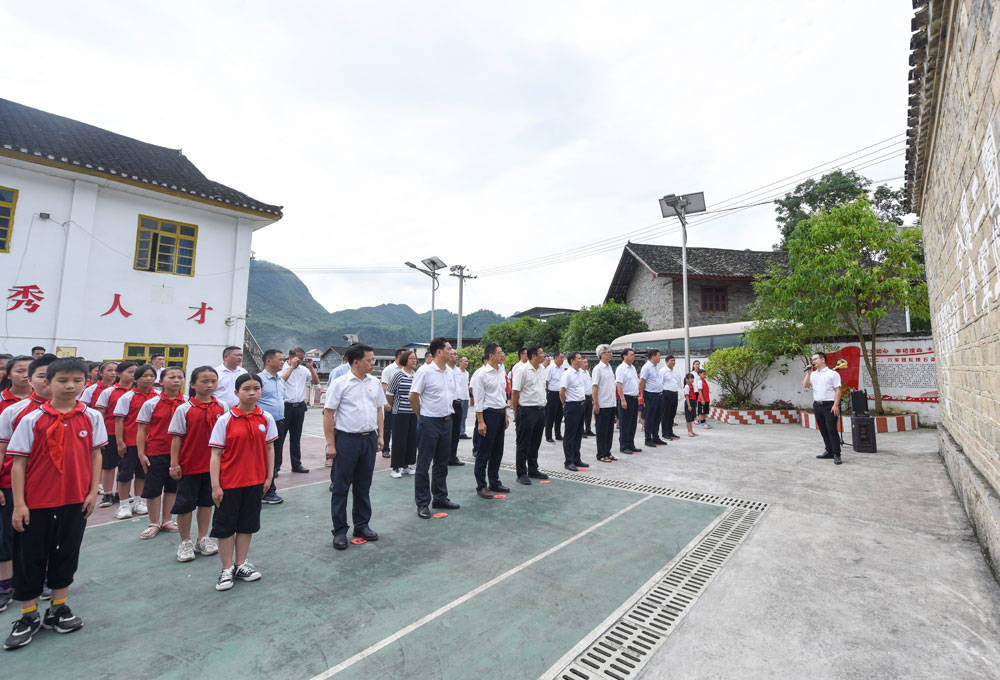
[(848, 268), (739, 371), (592, 326), (549, 333), (512, 335)]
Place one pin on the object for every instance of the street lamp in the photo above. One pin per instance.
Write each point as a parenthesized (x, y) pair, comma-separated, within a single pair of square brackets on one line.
[(671, 205), (458, 271), (433, 264)]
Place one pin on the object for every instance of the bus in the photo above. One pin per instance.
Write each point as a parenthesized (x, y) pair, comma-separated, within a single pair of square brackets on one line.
[(703, 339)]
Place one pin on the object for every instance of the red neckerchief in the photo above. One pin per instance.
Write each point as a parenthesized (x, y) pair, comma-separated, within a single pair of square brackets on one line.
[(205, 407), (237, 413), (55, 434)]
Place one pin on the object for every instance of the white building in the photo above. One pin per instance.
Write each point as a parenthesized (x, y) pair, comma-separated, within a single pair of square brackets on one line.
[(113, 248)]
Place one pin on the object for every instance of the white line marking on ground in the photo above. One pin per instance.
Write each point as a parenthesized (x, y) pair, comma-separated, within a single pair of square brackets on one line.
[(360, 656)]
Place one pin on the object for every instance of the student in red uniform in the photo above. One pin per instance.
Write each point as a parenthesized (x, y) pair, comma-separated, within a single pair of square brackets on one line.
[(110, 459), (106, 374), (241, 469), (703, 400), (15, 386), (57, 462), (190, 458), (11, 413), (93, 375), (126, 431), (153, 443), (690, 403)]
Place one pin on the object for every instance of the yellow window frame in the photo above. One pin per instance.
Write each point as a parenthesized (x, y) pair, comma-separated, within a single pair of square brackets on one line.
[(6, 232), (173, 355), (150, 230)]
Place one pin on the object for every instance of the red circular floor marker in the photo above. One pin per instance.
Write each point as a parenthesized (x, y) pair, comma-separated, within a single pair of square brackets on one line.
[(545, 481), (440, 515), (358, 541), (499, 495)]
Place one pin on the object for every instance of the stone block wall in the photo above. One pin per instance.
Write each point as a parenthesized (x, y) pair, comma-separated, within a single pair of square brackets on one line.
[(653, 296)]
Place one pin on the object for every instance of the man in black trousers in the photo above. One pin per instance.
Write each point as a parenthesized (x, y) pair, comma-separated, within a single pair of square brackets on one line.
[(489, 387), (456, 420), (627, 383), (671, 389), (528, 402), (574, 389), (603, 395), (827, 389), (553, 405)]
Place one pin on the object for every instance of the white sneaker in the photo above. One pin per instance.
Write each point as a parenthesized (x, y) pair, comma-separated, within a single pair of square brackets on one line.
[(225, 581), (246, 572), (185, 551), (207, 546), (396, 474), (140, 507), (124, 510), (409, 470), (100, 489)]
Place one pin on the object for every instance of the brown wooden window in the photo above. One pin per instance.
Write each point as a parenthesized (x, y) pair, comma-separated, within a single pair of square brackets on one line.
[(714, 299)]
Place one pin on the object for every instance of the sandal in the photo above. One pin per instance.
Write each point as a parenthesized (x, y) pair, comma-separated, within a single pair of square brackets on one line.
[(612, 459), (605, 459), (170, 526), (150, 531)]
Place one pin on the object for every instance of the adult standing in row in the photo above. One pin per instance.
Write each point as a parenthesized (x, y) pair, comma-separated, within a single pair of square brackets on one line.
[(272, 400), (456, 407), (528, 401), (388, 373), (296, 373), (352, 423), (229, 370), (650, 384), (671, 389), (404, 442), (462, 385), (575, 386), (588, 403), (603, 395), (489, 388), (431, 396), (627, 383), (554, 407)]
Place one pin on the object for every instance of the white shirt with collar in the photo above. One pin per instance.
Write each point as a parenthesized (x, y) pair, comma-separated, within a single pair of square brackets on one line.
[(627, 376), (824, 384), (461, 384), (388, 372), (455, 379), (295, 383), (577, 384), (356, 402), (225, 390), (670, 380), (489, 388), (436, 390), (554, 374), (604, 378), (651, 374), (529, 383)]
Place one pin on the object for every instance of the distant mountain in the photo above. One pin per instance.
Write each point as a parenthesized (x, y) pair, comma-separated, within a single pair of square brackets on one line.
[(282, 313)]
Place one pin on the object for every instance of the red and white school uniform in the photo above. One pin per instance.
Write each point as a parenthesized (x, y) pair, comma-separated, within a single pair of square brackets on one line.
[(156, 413), (194, 420), (10, 417), (108, 400), (92, 393), (243, 438), (8, 398), (128, 408)]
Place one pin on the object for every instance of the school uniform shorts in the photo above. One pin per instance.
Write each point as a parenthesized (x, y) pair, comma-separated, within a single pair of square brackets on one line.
[(690, 411), (239, 512), (6, 528), (158, 479), (703, 408), (128, 467), (193, 491), (109, 454), (48, 550)]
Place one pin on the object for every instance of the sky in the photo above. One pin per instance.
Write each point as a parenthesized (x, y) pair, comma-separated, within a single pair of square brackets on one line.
[(527, 141)]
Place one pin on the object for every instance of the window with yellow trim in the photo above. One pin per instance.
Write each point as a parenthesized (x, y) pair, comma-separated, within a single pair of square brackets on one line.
[(165, 246), (8, 201), (173, 355)]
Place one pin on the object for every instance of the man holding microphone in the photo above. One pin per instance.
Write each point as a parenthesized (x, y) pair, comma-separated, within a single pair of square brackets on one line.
[(826, 387)]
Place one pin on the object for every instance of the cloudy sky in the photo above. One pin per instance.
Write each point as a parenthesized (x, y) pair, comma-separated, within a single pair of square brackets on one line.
[(487, 134)]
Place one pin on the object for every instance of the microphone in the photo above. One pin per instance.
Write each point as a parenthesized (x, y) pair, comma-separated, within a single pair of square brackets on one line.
[(808, 368)]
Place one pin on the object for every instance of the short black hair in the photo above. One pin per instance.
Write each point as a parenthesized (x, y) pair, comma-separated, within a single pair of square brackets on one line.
[(37, 347), (557, 354), (533, 350), (490, 349), (436, 345), (669, 357), (167, 369), (700, 371), (44, 360), (5, 383), (627, 351), (226, 352), (572, 355), (66, 365), (400, 351), (522, 351), (125, 365), (653, 352), (271, 352), (201, 369), (821, 354), (143, 369), (156, 356), (245, 377), (356, 353), (296, 350)]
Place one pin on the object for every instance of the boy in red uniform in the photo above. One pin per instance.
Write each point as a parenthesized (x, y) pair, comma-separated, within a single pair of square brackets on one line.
[(126, 435), (241, 469), (110, 459), (153, 443), (190, 458), (57, 461)]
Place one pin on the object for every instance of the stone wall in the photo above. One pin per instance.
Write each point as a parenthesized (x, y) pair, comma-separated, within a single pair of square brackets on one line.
[(653, 297)]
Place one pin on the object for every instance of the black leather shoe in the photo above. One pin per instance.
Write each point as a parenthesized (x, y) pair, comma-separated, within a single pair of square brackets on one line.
[(649, 444), (524, 479), (446, 504), (558, 437), (484, 493), (538, 475), (588, 433), (387, 454), (365, 533), (499, 488), (464, 436), (825, 455), (635, 450), (837, 461), (628, 451), (303, 470), (455, 462), (659, 442), (340, 541), (571, 467), (581, 464), (423, 512)]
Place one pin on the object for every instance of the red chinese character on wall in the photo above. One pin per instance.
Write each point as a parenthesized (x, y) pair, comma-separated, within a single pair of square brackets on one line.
[(117, 305), (200, 312), (25, 296)]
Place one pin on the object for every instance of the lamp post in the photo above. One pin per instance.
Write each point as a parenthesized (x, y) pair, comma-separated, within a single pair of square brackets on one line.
[(433, 264), (458, 271), (679, 206)]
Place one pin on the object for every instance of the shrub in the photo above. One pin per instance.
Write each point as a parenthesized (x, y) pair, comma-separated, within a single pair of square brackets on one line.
[(739, 371)]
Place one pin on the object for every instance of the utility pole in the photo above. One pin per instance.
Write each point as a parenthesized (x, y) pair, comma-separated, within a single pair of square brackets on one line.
[(679, 206), (458, 271)]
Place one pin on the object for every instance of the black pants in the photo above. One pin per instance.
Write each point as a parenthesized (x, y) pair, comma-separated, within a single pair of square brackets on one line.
[(530, 425), (352, 471), (294, 415), (279, 444), (456, 428), (48, 550), (605, 422), (490, 451), (574, 432), (386, 431), (668, 412), (628, 413), (433, 446), (826, 420), (651, 415), (404, 444), (588, 414), (553, 414)]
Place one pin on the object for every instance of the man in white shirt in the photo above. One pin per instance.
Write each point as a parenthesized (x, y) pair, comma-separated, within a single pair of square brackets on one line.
[(456, 407), (462, 387), (827, 389), (387, 374), (651, 386), (431, 396), (229, 370), (553, 405), (627, 383), (603, 395), (527, 400), (522, 362), (671, 388), (489, 390), (352, 424), (296, 372), (572, 393)]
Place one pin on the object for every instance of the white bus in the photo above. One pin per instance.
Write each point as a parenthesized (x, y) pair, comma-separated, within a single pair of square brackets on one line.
[(704, 339)]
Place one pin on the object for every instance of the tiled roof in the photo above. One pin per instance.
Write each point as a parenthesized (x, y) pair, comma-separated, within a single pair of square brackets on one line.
[(39, 136), (703, 263)]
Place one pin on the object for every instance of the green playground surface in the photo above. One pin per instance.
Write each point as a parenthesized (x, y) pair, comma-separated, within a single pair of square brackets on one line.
[(501, 588)]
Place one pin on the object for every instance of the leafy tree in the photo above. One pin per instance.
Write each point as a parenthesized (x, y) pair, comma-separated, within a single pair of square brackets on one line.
[(512, 335), (739, 371), (848, 268), (601, 323), (474, 353), (550, 332)]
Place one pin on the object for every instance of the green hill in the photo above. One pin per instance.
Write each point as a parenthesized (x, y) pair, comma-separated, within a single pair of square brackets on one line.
[(282, 313)]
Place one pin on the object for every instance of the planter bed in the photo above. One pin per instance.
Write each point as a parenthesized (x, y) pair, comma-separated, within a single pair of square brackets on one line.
[(754, 416), (883, 424)]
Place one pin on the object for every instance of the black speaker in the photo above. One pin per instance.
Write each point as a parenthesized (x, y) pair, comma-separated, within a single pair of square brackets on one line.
[(863, 434), (859, 402)]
